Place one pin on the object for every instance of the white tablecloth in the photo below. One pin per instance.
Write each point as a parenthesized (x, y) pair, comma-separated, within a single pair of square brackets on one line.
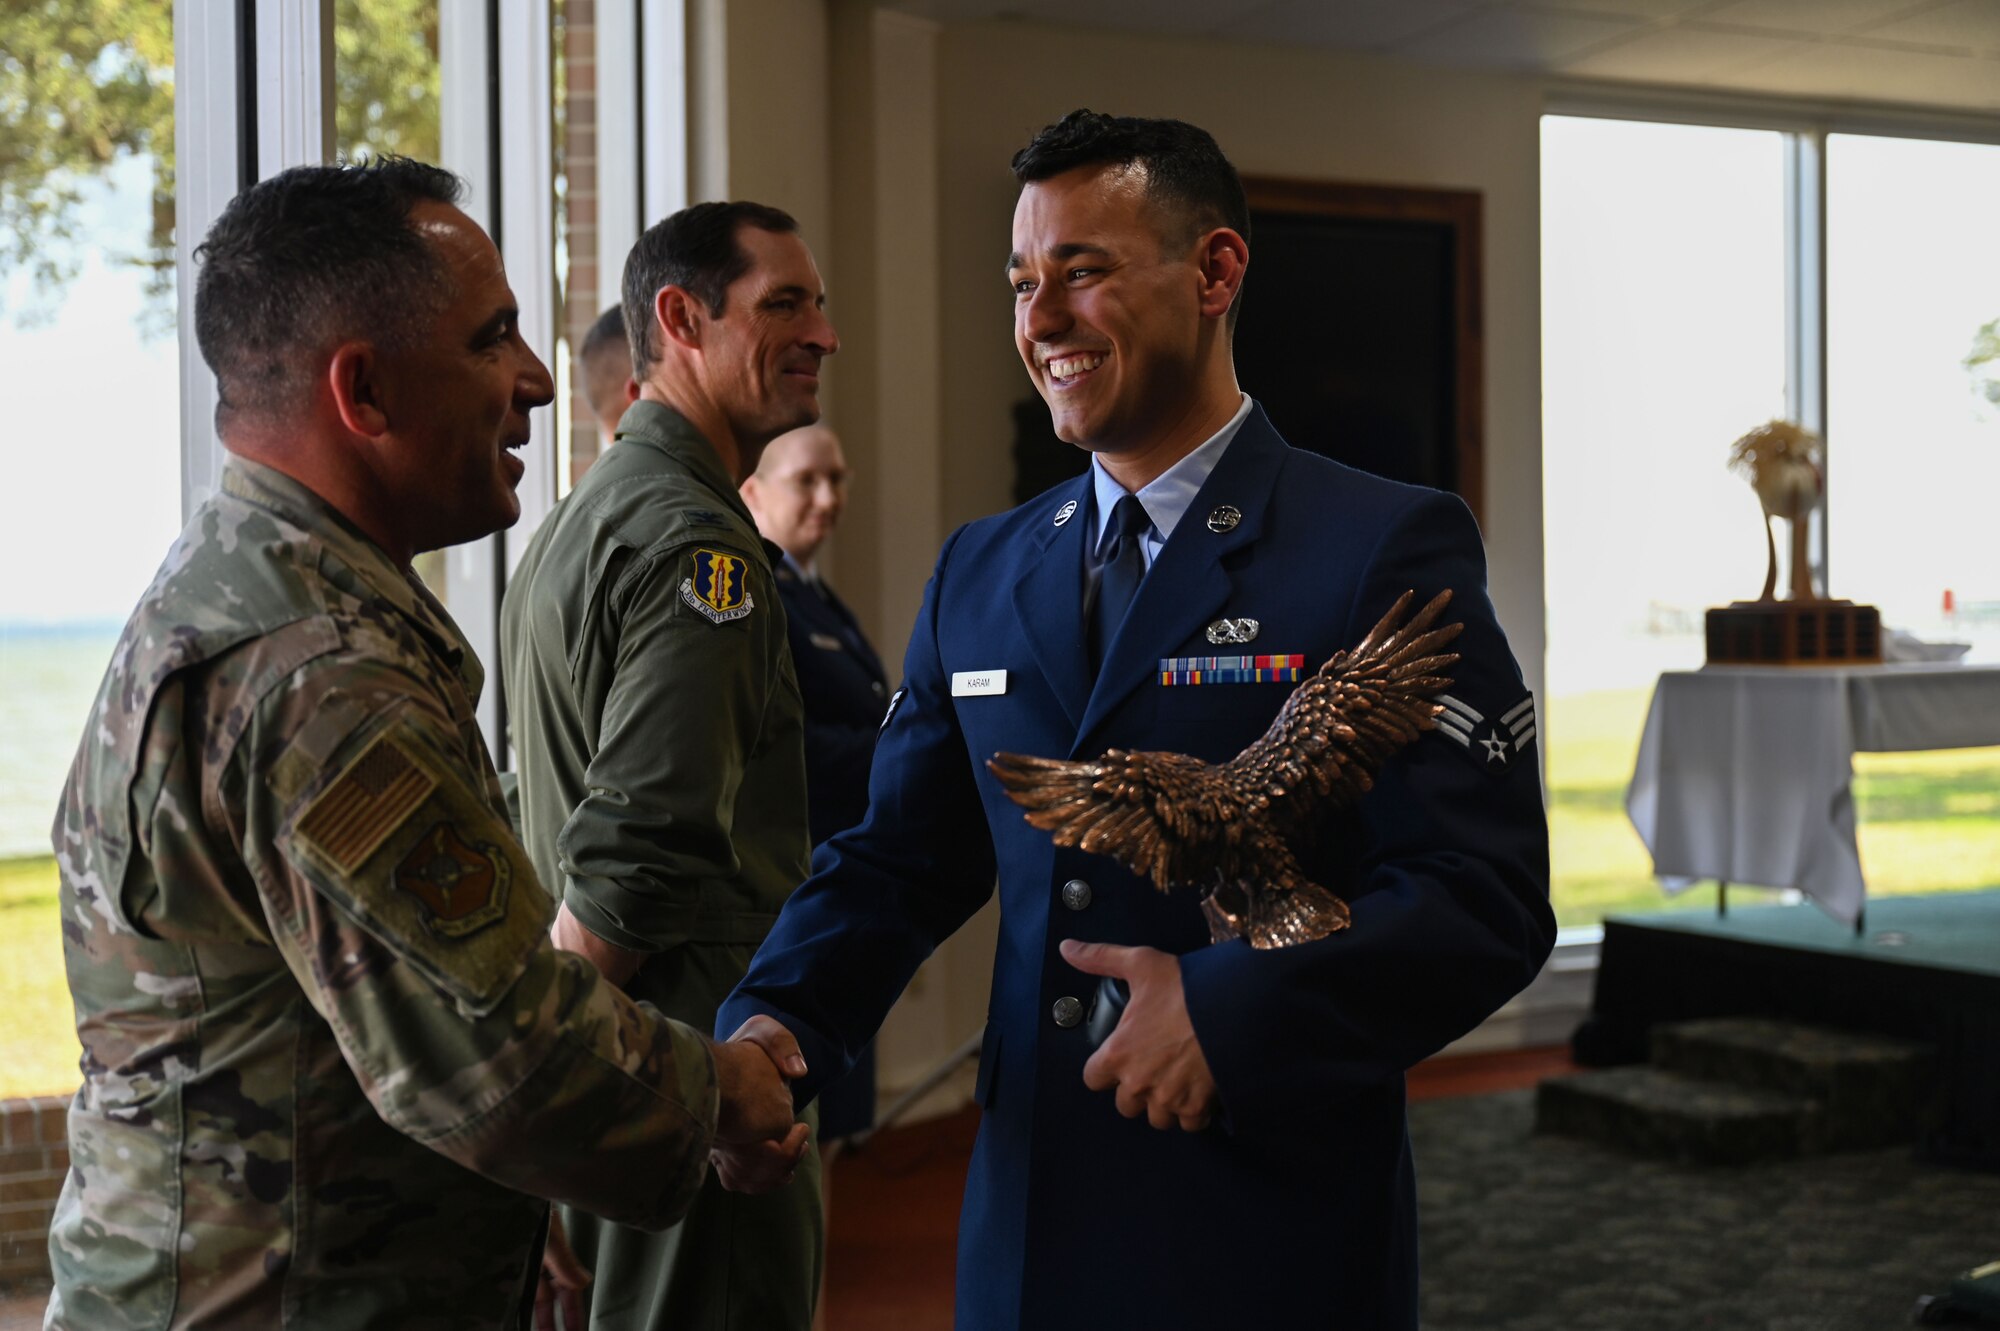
[(1744, 773)]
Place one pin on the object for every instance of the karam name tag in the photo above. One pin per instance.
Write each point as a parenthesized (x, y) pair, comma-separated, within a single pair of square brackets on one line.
[(978, 683)]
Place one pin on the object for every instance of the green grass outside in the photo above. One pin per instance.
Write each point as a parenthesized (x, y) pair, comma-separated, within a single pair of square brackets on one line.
[(38, 1048), (1930, 822)]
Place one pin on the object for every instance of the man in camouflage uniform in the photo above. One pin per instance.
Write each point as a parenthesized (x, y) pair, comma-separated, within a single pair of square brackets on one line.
[(659, 724), (331, 1060)]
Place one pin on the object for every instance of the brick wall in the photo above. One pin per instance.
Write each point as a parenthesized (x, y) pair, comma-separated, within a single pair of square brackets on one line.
[(34, 1157), (579, 284)]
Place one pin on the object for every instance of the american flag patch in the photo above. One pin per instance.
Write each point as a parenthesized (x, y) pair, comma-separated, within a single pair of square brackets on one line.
[(371, 799), (1232, 669)]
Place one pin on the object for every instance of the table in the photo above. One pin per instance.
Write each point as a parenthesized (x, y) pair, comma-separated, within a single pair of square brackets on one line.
[(1745, 772)]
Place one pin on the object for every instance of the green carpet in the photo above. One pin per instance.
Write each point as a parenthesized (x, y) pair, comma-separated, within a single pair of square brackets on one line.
[(1522, 1233), (1949, 931)]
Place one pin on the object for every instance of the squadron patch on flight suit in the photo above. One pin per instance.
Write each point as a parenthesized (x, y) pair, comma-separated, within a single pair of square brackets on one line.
[(1492, 745), (718, 589)]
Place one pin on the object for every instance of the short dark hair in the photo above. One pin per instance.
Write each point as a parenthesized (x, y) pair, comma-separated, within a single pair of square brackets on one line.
[(313, 256), (606, 358), (696, 249), (1186, 173), (1189, 182)]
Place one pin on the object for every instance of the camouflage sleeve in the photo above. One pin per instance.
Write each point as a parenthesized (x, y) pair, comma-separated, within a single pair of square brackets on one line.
[(411, 916), (700, 634)]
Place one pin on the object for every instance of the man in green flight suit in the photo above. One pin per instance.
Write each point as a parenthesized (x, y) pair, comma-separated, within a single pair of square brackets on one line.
[(658, 724), (332, 1061)]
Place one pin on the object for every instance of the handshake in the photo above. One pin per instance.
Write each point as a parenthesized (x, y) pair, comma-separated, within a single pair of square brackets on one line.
[(758, 1140)]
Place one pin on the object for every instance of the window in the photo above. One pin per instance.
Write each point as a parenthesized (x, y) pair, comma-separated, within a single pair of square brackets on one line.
[(88, 336), (1663, 339), (1678, 311), (1914, 465), (1912, 276)]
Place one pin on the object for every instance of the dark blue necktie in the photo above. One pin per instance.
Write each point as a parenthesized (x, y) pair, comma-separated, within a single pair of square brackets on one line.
[(1118, 580)]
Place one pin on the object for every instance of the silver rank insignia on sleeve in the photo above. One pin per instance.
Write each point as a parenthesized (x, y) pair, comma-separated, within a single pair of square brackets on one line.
[(1491, 744), (895, 701)]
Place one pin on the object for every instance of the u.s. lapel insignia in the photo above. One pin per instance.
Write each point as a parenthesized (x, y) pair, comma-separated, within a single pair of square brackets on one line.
[(1066, 512), (1224, 517), (1233, 632), (719, 588), (1490, 744)]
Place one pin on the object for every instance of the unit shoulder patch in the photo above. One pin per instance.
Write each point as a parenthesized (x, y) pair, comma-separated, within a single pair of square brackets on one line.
[(461, 886), (718, 587), (404, 842)]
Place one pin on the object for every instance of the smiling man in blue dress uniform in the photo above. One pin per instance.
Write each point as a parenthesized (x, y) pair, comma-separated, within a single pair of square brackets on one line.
[(1234, 1153)]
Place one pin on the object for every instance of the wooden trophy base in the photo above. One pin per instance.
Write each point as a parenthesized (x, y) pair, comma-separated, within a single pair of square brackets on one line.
[(1786, 633)]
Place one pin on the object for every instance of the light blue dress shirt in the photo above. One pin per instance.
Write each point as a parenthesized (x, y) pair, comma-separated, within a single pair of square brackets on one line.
[(1166, 499)]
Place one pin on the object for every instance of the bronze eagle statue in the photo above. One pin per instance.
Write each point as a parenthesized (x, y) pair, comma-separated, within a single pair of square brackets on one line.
[(1227, 829)]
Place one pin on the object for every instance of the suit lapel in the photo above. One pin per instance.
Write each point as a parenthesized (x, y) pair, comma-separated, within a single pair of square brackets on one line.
[(1048, 600), (1188, 584)]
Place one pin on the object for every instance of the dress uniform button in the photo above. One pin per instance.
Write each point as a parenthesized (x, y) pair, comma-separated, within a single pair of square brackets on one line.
[(1067, 1012), (1076, 894)]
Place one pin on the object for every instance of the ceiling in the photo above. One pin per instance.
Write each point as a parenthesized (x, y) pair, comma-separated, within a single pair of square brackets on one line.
[(1929, 53)]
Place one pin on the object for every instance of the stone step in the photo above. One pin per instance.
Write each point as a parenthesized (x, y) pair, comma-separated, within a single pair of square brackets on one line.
[(1871, 1089), (1652, 1112)]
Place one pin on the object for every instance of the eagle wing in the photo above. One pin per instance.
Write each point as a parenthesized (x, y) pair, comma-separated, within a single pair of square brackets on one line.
[(1173, 818), (1339, 727), (1181, 821)]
